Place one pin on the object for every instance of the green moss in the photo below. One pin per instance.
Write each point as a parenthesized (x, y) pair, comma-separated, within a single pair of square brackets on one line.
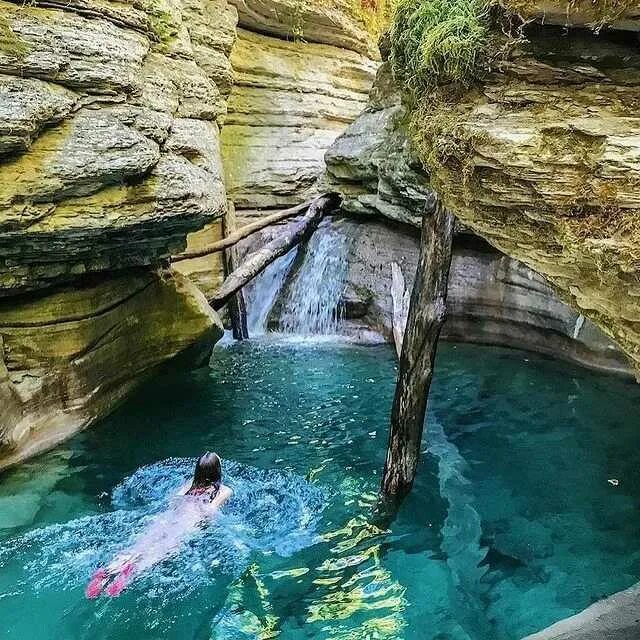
[(163, 26), (297, 20), (439, 41), (11, 44), (375, 15)]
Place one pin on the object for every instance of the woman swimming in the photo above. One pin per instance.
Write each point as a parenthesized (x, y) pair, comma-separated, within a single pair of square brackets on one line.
[(193, 505)]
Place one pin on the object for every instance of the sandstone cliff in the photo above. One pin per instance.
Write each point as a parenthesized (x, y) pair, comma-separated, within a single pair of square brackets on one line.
[(109, 157), (111, 161), (541, 157), (301, 74), (493, 298)]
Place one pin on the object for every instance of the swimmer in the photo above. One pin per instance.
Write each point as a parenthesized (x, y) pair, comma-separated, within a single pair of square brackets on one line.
[(193, 505)]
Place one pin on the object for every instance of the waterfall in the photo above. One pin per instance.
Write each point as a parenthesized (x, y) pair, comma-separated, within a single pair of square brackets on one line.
[(312, 303), (309, 295), (262, 293)]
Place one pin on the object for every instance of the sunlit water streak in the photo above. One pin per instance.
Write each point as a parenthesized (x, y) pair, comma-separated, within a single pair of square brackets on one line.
[(511, 525)]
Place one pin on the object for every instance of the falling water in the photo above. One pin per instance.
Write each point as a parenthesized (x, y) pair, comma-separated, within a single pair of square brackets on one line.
[(312, 304), (262, 293)]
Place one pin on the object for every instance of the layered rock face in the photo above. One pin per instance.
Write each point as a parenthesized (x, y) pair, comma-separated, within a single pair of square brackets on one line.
[(302, 72), (70, 355), (492, 298), (373, 163), (109, 158), (543, 160), (108, 138)]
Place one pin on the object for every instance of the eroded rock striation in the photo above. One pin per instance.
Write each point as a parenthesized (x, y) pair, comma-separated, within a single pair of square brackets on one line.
[(109, 139), (492, 299), (373, 163), (109, 158), (70, 355), (300, 79), (542, 159)]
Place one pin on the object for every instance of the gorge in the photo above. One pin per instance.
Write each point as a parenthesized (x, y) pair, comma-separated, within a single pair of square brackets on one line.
[(132, 131)]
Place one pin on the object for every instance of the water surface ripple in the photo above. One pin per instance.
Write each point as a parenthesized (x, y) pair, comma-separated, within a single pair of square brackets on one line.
[(513, 522)]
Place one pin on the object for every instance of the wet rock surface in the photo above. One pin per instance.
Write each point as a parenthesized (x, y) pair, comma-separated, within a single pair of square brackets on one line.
[(493, 299)]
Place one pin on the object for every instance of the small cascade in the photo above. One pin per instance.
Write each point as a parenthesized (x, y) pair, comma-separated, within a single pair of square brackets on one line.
[(262, 293), (312, 303)]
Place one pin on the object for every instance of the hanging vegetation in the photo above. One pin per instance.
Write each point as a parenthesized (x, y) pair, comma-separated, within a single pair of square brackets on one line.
[(439, 41)]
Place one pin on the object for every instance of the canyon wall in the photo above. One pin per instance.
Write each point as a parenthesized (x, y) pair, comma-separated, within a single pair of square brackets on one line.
[(109, 157), (111, 162), (493, 297), (542, 157), (301, 73)]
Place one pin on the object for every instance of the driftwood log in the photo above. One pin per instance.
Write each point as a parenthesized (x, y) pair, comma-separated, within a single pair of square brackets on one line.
[(242, 233), (259, 260), (426, 315)]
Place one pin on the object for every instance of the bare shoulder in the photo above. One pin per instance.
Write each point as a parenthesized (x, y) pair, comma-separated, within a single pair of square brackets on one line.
[(224, 493)]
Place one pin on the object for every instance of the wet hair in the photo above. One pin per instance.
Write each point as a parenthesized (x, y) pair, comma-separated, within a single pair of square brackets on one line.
[(207, 475)]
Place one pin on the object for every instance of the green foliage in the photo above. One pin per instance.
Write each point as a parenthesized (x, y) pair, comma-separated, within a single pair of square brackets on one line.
[(437, 42), (374, 15)]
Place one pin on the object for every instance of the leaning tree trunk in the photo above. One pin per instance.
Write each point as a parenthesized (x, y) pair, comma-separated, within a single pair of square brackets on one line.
[(236, 306), (242, 233), (426, 315), (258, 261)]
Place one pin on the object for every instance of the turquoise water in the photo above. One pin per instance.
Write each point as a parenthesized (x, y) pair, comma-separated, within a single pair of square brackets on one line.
[(513, 522)]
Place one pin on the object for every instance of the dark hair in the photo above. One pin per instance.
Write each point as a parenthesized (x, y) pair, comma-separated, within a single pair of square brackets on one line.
[(207, 474)]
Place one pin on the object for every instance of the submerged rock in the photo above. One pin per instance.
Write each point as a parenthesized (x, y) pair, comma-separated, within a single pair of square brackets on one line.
[(614, 618)]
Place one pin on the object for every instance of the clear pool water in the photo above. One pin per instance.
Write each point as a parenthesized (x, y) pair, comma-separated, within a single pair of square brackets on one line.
[(513, 522)]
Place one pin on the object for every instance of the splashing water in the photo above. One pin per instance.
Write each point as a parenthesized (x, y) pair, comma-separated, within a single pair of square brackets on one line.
[(312, 303), (269, 512)]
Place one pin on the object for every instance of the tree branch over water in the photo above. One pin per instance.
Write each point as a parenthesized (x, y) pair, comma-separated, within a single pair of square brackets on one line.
[(259, 260)]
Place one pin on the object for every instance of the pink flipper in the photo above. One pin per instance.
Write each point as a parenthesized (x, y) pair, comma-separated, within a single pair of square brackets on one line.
[(96, 584), (121, 581)]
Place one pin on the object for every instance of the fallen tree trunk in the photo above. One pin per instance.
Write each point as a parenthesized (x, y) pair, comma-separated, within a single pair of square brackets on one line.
[(242, 233), (259, 260), (426, 315), (236, 306)]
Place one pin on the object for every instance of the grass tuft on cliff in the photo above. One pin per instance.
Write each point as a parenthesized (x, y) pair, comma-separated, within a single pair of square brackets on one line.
[(436, 42)]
